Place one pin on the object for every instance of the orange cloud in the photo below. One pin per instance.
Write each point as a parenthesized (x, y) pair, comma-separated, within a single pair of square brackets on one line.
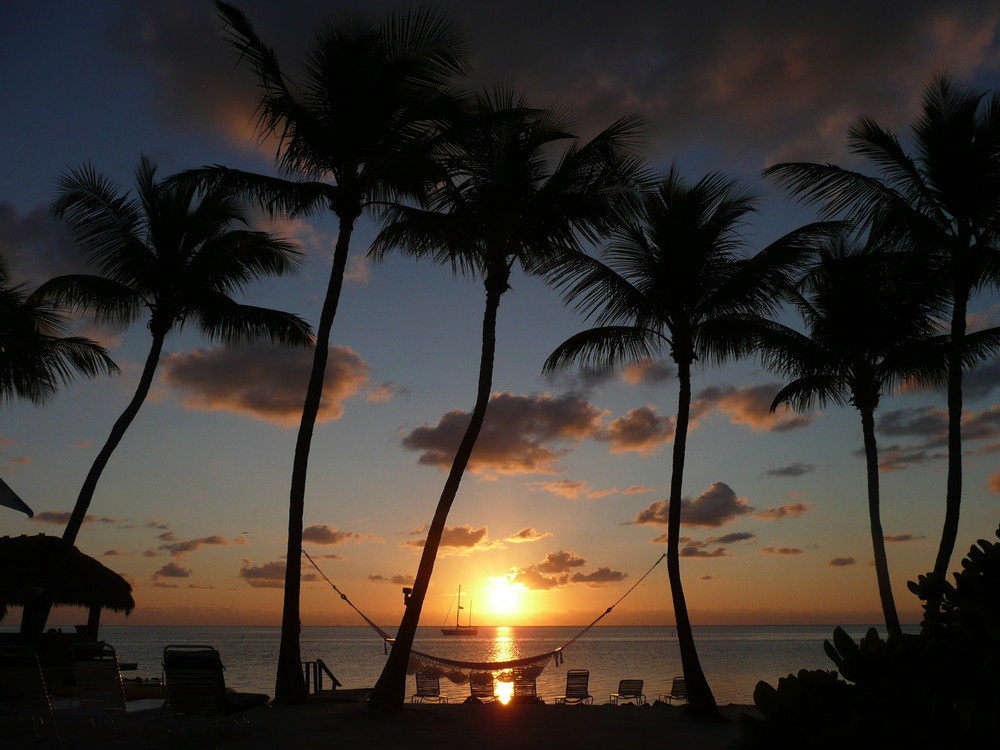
[(463, 538), (270, 575), (171, 570), (751, 406), (521, 434), (557, 570), (527, 535), (841, 562), (572, 489), (781, 551), (648, 372), (789, 510), (263, 382), (190, 545), (61, 517), (323, 534), (641, 430), (994, 482)]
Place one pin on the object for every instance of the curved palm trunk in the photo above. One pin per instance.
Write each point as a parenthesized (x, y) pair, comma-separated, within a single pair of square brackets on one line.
[(290, 686), (37, 613), (953, 496), (390, 690), (700, 698), (117, 433), (875, 517)]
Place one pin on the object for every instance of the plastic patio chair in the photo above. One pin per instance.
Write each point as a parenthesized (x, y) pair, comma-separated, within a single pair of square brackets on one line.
[(428, 689), (195, 684), (482, 687), (577, 687), (23, 695), (629, 690), (678, 691)]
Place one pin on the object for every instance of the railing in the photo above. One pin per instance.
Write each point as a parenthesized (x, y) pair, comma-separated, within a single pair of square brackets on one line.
[(313, 672)]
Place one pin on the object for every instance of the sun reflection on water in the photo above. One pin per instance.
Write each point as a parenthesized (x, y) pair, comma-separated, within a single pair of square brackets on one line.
[(502, 649)]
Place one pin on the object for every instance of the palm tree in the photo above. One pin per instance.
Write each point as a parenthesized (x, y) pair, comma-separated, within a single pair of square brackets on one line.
[(674, 279), (505, 204), (358, 132), (868, 317), (945, 203), (158, 252), (36, 355)]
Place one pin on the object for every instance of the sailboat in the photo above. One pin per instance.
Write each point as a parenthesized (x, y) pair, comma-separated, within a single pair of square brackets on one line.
[(460, 629)]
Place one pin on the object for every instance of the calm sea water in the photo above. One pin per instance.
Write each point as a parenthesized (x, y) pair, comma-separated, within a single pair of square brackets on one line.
[(734, 658)]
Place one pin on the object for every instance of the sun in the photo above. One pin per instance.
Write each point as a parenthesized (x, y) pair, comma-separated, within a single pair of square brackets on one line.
[(505, 596)]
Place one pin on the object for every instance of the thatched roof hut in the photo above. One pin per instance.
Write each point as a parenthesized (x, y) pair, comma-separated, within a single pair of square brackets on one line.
[(42, 568)]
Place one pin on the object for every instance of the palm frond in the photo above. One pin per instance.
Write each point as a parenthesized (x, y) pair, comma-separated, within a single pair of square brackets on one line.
[(606, 348)]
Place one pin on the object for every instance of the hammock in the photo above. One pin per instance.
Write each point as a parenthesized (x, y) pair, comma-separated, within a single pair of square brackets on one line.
[(458, 671)]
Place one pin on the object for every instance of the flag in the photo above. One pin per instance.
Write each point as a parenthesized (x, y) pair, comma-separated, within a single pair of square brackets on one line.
[(9, 499)]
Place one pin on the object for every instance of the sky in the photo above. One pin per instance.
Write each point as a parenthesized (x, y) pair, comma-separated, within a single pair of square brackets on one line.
[(562, 508)]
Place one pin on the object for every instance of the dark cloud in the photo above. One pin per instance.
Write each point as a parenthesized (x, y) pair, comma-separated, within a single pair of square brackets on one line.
[(737, 536), (176, 548), (781, 551), (599, 578), (925, 421), (456, 537), (263, 382), (521, 434), (61, 517), (322, 534), (841, 562), (533, 580), (37, 246), (560, 562), (796, 469), (714, 507), (172, 570), (902, 537), (695, 550), (150, 553), (528, 535), (641, 431), (270, 575), (114, 553), (751, 406), (728, 66), (981, 382)]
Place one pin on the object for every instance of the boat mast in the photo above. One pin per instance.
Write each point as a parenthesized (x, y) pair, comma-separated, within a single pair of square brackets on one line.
[(459, 609)]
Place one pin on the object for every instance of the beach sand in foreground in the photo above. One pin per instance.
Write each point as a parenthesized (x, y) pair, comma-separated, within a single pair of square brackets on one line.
[(482, 727)]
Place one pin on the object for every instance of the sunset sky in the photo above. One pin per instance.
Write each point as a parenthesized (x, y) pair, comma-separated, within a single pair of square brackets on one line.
[(564, 499)]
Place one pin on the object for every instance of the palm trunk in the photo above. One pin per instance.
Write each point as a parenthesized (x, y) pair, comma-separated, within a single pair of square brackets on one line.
[(700, 698), (37, 613), (875, 517), (390, 690), (117, 433), (290, 686), (953, 496)]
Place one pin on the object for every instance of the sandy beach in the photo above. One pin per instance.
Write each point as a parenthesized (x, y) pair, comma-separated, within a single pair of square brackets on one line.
[(484, 727)]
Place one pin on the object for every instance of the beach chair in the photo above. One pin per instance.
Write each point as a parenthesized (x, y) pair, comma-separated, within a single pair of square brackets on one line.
[(482, 687), (98, 678), (577, 687), (428, 689), (525, 689), (195, 684), (24, 699), (678, 691), (629, 690)]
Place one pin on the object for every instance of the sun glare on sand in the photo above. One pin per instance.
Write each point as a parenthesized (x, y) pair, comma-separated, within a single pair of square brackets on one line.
[(505, 597)]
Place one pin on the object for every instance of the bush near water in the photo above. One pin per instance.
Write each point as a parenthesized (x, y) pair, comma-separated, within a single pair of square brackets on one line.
[(939, 688)]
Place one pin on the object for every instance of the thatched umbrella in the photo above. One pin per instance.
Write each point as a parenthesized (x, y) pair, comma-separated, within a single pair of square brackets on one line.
[(45, 570)]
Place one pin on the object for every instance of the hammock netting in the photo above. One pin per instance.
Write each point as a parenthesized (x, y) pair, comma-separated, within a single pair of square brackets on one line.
[(460, 672)]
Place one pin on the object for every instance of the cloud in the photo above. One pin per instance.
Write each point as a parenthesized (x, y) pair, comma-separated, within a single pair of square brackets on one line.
[(573, 489), (796, 469), (559, 562), (751, 406), (648, 372), (841, 562), (994, 482), (781, 551), (190, 545), (463, 538), (150, 553), (270, 575), (699, 551), (114, 553), (737, 536), (527, 535), (981, 382), (521, 434), (396, 580), (61, 517), (902, 537), (534, 580), (323, 534), (599, 578), (263, 382), (36, 246), (714, 507), (919, 421), (641, 431), (172, 570), (788, 510)]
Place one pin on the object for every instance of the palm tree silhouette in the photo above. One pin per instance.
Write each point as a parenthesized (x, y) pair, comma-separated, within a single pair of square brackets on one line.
[(505, 204), (868, 317), (357, 133), (674, 279), (945, 202), (158, 252), (36, 355)]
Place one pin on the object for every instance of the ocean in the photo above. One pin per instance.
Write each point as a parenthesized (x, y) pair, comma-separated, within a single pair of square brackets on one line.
[(734, 658)]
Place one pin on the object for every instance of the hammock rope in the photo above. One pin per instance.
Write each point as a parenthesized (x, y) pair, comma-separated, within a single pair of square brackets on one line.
[(459, 671)]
